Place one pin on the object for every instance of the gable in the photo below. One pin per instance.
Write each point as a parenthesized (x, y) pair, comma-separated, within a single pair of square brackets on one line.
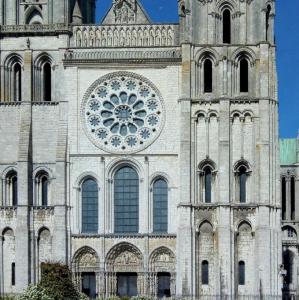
[(126, 12)]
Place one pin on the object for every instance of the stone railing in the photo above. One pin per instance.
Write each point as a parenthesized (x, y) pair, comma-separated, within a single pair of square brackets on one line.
[(34, 29), (125, 36)]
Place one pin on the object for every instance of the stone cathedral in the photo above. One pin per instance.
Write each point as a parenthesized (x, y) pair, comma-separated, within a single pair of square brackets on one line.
[(145, 156)]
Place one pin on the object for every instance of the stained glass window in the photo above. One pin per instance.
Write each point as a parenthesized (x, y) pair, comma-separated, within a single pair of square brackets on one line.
[(160, 199)]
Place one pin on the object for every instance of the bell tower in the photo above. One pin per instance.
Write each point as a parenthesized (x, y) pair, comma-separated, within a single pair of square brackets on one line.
[(229, 156)]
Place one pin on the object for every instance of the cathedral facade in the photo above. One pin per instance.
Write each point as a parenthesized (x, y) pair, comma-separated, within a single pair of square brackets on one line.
[(145, 156)]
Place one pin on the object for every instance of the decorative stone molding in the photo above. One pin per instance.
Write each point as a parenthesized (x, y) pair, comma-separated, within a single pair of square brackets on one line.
[(130, 56), (125, 36)]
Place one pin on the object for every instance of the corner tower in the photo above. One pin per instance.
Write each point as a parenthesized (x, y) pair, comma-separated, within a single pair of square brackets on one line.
[(13, 12), (229, 231)]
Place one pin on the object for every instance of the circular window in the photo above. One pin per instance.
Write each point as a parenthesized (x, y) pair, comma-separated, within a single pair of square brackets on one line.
[(123, 112)]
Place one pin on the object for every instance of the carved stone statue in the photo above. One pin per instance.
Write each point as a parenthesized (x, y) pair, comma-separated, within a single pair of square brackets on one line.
[(125, 11)]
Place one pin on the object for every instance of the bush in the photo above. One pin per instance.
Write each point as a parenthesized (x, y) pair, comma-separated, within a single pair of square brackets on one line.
[(56, 280), (35, 292)]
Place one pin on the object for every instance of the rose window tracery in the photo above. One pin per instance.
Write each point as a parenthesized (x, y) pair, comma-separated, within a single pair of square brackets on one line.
[(123, 112)]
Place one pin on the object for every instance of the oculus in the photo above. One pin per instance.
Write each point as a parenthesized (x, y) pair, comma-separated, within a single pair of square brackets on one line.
[(122, 112)]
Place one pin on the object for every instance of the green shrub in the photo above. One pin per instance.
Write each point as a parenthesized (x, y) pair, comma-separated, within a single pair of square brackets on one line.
[(35, 292), (56, 279)]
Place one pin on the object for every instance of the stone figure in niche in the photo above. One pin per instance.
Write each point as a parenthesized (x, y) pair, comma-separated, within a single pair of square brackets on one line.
[(88, 260), (125, 11)]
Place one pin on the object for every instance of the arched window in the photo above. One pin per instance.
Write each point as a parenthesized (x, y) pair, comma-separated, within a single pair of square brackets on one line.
[(126, 201), (293, 198), (160, 209), (242, 172), (242, 184), (241, 273), (42, 189), (288, 261), (226, 22), (208, 184), (89, 206), (12, 189), (205, 272), (268, 12), (244, 78), (47, 82), (283, 197), (17, 82), (208, 76), (13, 274)]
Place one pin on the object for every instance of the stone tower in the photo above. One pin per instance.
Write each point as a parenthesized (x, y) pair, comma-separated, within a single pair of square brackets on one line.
[(229, 185), (14, 12)]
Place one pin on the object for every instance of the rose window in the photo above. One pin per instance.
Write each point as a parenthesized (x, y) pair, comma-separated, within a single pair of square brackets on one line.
[(123, 112)]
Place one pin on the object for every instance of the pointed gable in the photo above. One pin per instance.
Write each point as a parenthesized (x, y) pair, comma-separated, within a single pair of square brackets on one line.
[(126, 12)]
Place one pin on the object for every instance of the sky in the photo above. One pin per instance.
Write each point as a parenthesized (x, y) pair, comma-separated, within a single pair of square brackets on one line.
[(287, 39)]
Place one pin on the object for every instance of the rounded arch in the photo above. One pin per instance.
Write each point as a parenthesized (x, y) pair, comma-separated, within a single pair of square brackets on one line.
[(160, 175), (117, 249), (9, 170), (207, 163), (83, 250), (289, 232), (85, 259), (119, 163), (200, 114), (86, 175), (41, 171), (41, 229), (242, 163), (8, 231), (207, 53), (162, 259), (242, 53)]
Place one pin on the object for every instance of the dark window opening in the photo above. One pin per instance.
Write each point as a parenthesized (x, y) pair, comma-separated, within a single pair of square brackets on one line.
[(244, 76), (44, 183), (208, 76), (126, 284), (288, 260), (89, 285), (205, 272), (283, 197), (17, 83), (226, 19), (163, 285), (47, 82), (89, 206), (292, 198), (241, 273), (14, 182), (126, 201), (160, 199), (242, 179), (208, 185), (267, 21), (13, 274)]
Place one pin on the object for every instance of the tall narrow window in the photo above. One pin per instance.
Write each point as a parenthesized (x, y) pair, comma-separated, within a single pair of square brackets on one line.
[(17, 82), (242, 183), (44, 191), (205, 272), (283, 197), (292, 198), (14, 190), (208, 184), (126, 201), (13, 274), (47, 73), (244, 84), (226, 22), (268, 22), (208, 76), (160, 199), (241, 273), (89, 206)]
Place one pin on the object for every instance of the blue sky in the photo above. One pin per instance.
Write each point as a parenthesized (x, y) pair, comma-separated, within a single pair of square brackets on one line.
[(287, 38)]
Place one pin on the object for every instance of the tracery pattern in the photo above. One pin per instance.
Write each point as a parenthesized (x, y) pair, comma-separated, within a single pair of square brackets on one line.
[(123, 112)]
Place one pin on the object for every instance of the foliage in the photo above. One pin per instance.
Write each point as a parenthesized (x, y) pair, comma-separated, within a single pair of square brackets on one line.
[(56, 279), (35, 292), (83, 297)]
